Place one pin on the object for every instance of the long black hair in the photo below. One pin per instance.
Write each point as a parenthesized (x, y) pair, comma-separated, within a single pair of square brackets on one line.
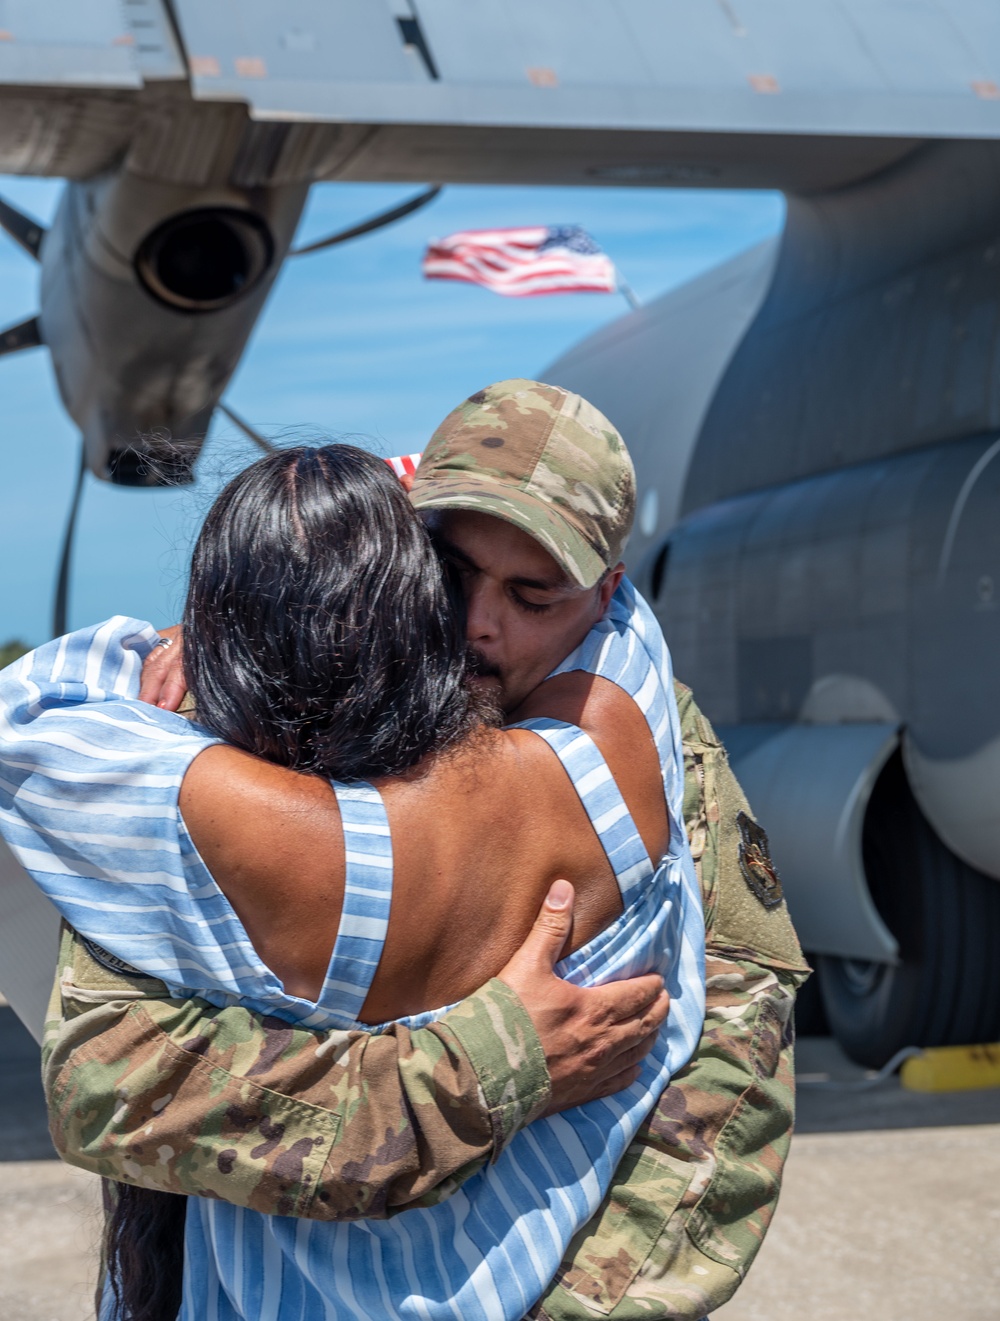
[(321, 633)]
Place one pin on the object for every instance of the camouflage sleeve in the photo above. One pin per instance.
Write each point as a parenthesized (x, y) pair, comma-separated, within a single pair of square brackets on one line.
[(187, 1098), (696, 1191)]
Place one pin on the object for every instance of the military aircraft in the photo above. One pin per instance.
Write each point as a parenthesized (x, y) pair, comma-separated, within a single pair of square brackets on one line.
[(814, 423)]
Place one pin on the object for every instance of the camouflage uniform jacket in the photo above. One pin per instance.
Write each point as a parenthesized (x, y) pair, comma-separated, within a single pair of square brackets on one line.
[(185, 1097), (180, 1096)]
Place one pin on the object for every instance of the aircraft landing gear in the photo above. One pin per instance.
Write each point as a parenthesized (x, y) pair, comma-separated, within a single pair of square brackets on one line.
[(945, 990)]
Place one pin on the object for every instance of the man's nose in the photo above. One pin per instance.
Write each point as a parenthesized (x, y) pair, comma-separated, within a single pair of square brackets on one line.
[(480, 616)]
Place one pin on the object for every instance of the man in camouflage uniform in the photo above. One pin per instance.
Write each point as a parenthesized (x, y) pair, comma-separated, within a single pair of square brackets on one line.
[(294, 1122)]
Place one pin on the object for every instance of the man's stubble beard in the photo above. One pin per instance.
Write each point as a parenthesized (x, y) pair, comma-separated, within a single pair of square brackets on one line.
[(486, 682), (478, 666)]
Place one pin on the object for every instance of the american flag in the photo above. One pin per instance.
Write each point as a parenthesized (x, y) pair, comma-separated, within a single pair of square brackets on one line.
[(538, 259), (405, 465)]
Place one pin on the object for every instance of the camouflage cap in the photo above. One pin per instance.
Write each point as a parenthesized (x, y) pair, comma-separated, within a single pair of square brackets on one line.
[(543, 459)]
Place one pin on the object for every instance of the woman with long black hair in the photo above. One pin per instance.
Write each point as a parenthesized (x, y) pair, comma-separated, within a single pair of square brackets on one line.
[(322, 643)]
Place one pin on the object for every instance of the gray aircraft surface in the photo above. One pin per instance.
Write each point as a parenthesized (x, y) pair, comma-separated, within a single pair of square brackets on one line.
[(815, 423)]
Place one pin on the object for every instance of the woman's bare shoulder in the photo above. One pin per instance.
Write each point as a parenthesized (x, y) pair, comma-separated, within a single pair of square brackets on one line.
[(273, 842), (613, 720), (240, 802), (600, 707)]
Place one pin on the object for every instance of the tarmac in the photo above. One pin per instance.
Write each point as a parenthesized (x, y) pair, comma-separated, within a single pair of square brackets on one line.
[(49, 1213), (890, 1209)]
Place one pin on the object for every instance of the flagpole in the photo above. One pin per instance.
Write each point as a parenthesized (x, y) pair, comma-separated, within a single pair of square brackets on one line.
[(626, 291)]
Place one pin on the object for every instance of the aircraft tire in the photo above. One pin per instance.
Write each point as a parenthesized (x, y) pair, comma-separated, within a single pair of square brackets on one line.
[(945, 990)]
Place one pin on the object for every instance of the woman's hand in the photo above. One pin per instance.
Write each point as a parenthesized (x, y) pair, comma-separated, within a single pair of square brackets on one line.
[(594, 1038), (163, 683)]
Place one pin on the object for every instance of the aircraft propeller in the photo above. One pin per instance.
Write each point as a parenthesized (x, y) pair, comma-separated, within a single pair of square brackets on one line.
[(25, 232), (61, 599), (28, 234), (25, 335), (251, 434), (366, 226)]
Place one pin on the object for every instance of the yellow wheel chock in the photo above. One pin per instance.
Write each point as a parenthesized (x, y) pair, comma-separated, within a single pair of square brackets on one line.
[(952, 1069)]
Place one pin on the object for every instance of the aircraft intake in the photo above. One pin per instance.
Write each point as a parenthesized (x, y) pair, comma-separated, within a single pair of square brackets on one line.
[(205, 259)]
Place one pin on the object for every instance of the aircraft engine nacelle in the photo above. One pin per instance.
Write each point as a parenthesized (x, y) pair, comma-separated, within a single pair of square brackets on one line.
[(149, 293), (843, 631)]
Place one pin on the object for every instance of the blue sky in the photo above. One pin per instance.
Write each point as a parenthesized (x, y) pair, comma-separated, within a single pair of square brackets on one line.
[(352, 344)]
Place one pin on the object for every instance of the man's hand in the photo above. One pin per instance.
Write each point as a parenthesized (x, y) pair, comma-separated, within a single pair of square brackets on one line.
[(163, 682), (593, 1037)]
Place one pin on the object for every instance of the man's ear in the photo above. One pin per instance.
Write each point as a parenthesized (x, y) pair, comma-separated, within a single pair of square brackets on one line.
[(609, 585)]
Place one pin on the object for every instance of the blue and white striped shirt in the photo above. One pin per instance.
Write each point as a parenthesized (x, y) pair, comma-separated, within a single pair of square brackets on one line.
[(89, 779)]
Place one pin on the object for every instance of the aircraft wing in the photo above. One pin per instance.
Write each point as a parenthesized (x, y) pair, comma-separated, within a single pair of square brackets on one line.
[(800, 94), (71, 75), (923, 68), (100, 44)]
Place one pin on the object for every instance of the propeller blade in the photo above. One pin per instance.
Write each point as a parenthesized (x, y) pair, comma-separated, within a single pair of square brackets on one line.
[(260, 441), (59, 608), (25, 232), (27, 335), (371, 224)]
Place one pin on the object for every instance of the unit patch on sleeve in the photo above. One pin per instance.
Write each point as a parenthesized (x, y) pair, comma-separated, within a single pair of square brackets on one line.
[(755, 862)]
